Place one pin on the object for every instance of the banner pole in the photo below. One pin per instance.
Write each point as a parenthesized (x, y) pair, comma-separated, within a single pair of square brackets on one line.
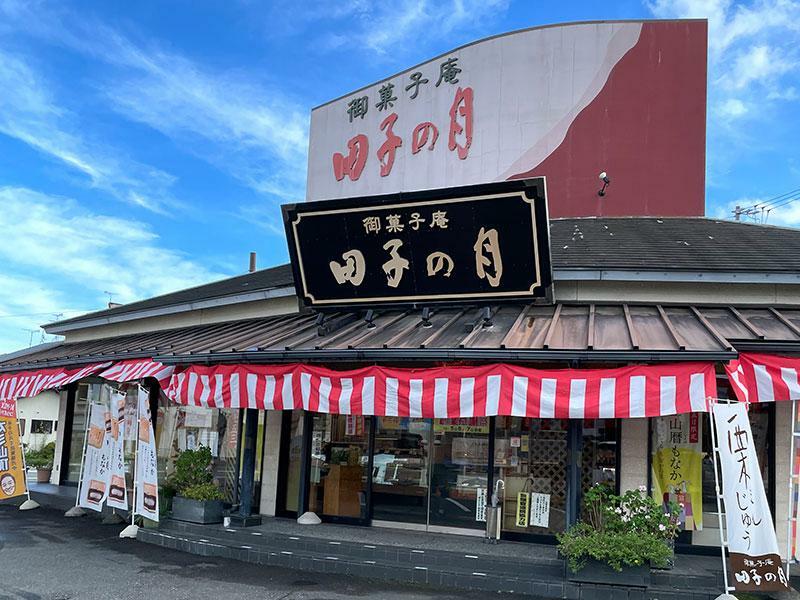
[(715, 451), (131, 530), (29, 504), (791, 517), (77, 511)]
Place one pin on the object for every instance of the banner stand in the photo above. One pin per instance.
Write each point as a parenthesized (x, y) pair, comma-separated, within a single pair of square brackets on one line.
[(29, 504), (723, 544), (78, 511), (791, 524), (132, 530), (114, 518)]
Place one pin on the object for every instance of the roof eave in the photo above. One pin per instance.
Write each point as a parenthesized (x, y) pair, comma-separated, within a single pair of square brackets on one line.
[(231, 299)]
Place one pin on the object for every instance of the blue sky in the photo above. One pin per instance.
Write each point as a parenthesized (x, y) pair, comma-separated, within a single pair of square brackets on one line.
[(146, 146)]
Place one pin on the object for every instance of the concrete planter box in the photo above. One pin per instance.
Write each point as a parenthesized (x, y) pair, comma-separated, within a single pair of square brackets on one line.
[(197, 511), (43, 475), (599, 572)]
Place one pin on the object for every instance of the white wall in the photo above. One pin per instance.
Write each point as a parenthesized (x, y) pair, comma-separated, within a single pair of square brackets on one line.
[(269, 466), (42, 407)]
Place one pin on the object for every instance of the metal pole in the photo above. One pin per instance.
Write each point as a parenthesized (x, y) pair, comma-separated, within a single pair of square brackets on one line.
[(135, 458), (791, 519), (83, 453), (715, 451), (248, 462)]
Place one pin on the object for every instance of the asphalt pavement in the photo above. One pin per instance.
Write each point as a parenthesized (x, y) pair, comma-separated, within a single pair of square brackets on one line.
[(44, 555)]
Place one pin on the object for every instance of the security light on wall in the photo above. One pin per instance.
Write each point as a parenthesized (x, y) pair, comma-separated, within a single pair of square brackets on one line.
[(604, 178)]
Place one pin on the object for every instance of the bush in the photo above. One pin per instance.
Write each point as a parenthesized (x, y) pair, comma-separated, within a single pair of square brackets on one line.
[(42, 458), (628, 530), (192, 478), (203, 492)]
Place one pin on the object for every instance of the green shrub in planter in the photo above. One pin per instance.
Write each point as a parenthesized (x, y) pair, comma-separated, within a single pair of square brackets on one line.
[(197, 498), (631, 530)]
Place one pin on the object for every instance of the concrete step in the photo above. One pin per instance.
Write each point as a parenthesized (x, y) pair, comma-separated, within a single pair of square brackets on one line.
[(479, 557), (536, 576)]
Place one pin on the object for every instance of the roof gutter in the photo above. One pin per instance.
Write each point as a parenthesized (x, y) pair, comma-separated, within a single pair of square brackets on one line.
[(134, 315), (445, 354), (671, 276)]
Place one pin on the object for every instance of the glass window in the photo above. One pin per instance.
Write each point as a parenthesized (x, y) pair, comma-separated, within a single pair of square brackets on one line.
[(400, 470), (293, 465), (179, 428), (339, 466), (84, 395), (682, 468), (599, 453), (531, 457), (40, 426), (459, 471)]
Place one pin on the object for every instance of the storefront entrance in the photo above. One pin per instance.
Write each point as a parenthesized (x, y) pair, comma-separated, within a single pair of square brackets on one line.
[(438, 474)]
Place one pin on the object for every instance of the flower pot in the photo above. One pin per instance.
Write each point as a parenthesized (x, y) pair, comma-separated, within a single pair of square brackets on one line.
[(599, 572), (671, 560), (43, 475), (202, 512)]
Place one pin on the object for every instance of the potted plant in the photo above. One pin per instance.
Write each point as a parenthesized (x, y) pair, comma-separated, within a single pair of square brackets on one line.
[(42, 460), (618, 538), (197, 498)]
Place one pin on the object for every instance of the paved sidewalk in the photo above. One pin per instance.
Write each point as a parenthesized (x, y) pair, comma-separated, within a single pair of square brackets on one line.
[(46, 556)]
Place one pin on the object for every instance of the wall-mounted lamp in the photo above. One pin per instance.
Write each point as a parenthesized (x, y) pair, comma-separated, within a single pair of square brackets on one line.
[(606, 181)]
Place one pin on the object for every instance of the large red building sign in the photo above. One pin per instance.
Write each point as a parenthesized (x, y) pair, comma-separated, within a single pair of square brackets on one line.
[(565, 102)]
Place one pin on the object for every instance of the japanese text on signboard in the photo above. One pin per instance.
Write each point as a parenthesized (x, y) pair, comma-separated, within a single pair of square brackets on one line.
[(453, 248), (459, 126)]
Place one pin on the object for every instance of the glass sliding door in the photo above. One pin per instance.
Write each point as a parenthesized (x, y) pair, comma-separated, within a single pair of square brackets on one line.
[(339, 466), (400, 470), (459, 471), (531, 457)]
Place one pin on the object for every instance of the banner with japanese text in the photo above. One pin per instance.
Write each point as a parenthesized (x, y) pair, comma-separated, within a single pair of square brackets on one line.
[(146, 462), (117, 490), (12, 470), (97, 460), (755, 561), (678, 466)]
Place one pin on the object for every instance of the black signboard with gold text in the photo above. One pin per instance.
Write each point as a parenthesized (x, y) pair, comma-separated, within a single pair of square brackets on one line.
[(475, 244)]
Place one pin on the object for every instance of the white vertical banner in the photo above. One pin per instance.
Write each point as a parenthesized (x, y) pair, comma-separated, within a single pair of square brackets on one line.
[(117, 490), (97, 463), (480, 504), (753, 547), (146, 462)]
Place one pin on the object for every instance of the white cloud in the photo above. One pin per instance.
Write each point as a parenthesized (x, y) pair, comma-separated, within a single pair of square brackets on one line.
[(732, 108), (385, 28), (232, 120), (751, 46), (30, 114), (756, 64), (82, 254)]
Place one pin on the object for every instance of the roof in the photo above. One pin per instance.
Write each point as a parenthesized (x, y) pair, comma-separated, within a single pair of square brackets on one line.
[(274, 277), (673, 244), (590, 243), (513, 332)]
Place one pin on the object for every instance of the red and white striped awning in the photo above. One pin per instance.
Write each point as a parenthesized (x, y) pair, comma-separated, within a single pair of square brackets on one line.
[(452, 392), (764, 377), (132, 370), (26, 384)]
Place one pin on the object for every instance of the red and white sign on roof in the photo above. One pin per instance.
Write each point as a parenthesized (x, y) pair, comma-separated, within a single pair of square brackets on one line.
[(452, 392), (562, 101)]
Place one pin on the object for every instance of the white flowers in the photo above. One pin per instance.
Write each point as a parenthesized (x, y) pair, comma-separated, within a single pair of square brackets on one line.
[(643, 488), (618, 511), (662, 527)]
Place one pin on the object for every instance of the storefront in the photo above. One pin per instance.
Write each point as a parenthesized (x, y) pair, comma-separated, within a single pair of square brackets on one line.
[(435, 474)]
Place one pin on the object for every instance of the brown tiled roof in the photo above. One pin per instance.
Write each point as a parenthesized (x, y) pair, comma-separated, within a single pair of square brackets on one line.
[(595, 332), (673, 244), (623, 243)]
